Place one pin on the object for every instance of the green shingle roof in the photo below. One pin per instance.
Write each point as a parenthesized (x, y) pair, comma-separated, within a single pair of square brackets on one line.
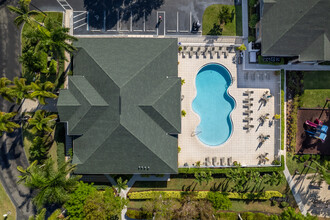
[(296, 28), (123, 103)]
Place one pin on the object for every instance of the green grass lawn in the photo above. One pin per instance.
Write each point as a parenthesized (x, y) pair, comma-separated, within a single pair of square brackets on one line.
[(210, 17), (293, 165), (237, 206), (6, 204), (184, 183), (316, 89)]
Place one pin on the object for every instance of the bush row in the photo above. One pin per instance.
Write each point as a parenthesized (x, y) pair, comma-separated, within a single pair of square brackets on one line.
[(269, 169), (282, 109), (292, 128), (137, 214), (144, 195)]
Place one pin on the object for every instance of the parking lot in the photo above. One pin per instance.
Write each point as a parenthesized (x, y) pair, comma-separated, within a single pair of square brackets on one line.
[(173, 22), (134, 17)]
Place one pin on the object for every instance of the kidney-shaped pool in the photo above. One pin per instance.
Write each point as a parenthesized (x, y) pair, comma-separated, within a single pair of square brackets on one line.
[(213, 104)]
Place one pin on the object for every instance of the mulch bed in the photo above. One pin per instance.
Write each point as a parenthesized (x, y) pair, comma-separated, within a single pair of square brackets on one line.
[(307, 144)]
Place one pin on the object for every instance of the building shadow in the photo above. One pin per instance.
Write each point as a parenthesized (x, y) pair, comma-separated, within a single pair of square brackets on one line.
[(119, 10)]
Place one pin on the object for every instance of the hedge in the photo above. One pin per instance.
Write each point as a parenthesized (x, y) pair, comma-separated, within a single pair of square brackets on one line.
[(226, 216), (282, 110), (269, 169), (137, 214), (144, 195)]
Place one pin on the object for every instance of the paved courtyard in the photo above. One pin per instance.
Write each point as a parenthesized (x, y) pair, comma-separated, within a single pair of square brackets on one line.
[(242, 146)]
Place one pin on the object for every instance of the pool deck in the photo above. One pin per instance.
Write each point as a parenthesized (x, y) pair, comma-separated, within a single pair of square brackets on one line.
[(241, 146)]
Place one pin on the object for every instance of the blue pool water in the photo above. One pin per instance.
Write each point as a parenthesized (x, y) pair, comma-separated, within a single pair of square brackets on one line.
[(213, 104)]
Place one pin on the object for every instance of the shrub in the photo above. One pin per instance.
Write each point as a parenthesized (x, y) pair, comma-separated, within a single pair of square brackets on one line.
[(226, 216), (137, 214), (251, 38), (254, 216), (75, 205), (284, 204), (183, 113), (242, 47), (252, 3), (273, 202), (180, 48), (179, 149), (219, 200), (182, 82), (253, 21)]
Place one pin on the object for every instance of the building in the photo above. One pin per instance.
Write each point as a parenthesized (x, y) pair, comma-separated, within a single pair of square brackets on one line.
[(122, 106), (295, 28)]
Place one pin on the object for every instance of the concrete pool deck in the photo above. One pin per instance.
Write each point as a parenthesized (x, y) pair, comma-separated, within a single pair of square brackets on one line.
[(241, 146)]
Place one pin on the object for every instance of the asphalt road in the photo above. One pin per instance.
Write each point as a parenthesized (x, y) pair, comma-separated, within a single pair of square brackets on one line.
[(11, 148), (12, 155)]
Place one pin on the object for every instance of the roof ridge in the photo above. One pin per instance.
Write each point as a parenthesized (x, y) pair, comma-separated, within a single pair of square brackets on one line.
[(97, 64), (168, 88), (145, 145), (293, 24), (148, 63), (100, 144)]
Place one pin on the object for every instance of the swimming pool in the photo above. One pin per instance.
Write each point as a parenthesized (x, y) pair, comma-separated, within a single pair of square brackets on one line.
[(213, 104)]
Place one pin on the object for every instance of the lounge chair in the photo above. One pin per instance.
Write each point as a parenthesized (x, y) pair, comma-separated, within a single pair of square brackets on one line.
[(222, 161), (267, 76), (246, 75), (214, 161), (253, 76), (207, 161), (230, 161), (261, 76)]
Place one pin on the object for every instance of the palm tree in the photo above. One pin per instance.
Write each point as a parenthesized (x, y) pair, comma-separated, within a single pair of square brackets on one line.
[(224, 15), (19, 90), (121, 185), (6, 125), (56, 39), (52, 185), (208, 177), (42, 91), (203, 176), (23, 13), (42, 123), (5, 90)]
